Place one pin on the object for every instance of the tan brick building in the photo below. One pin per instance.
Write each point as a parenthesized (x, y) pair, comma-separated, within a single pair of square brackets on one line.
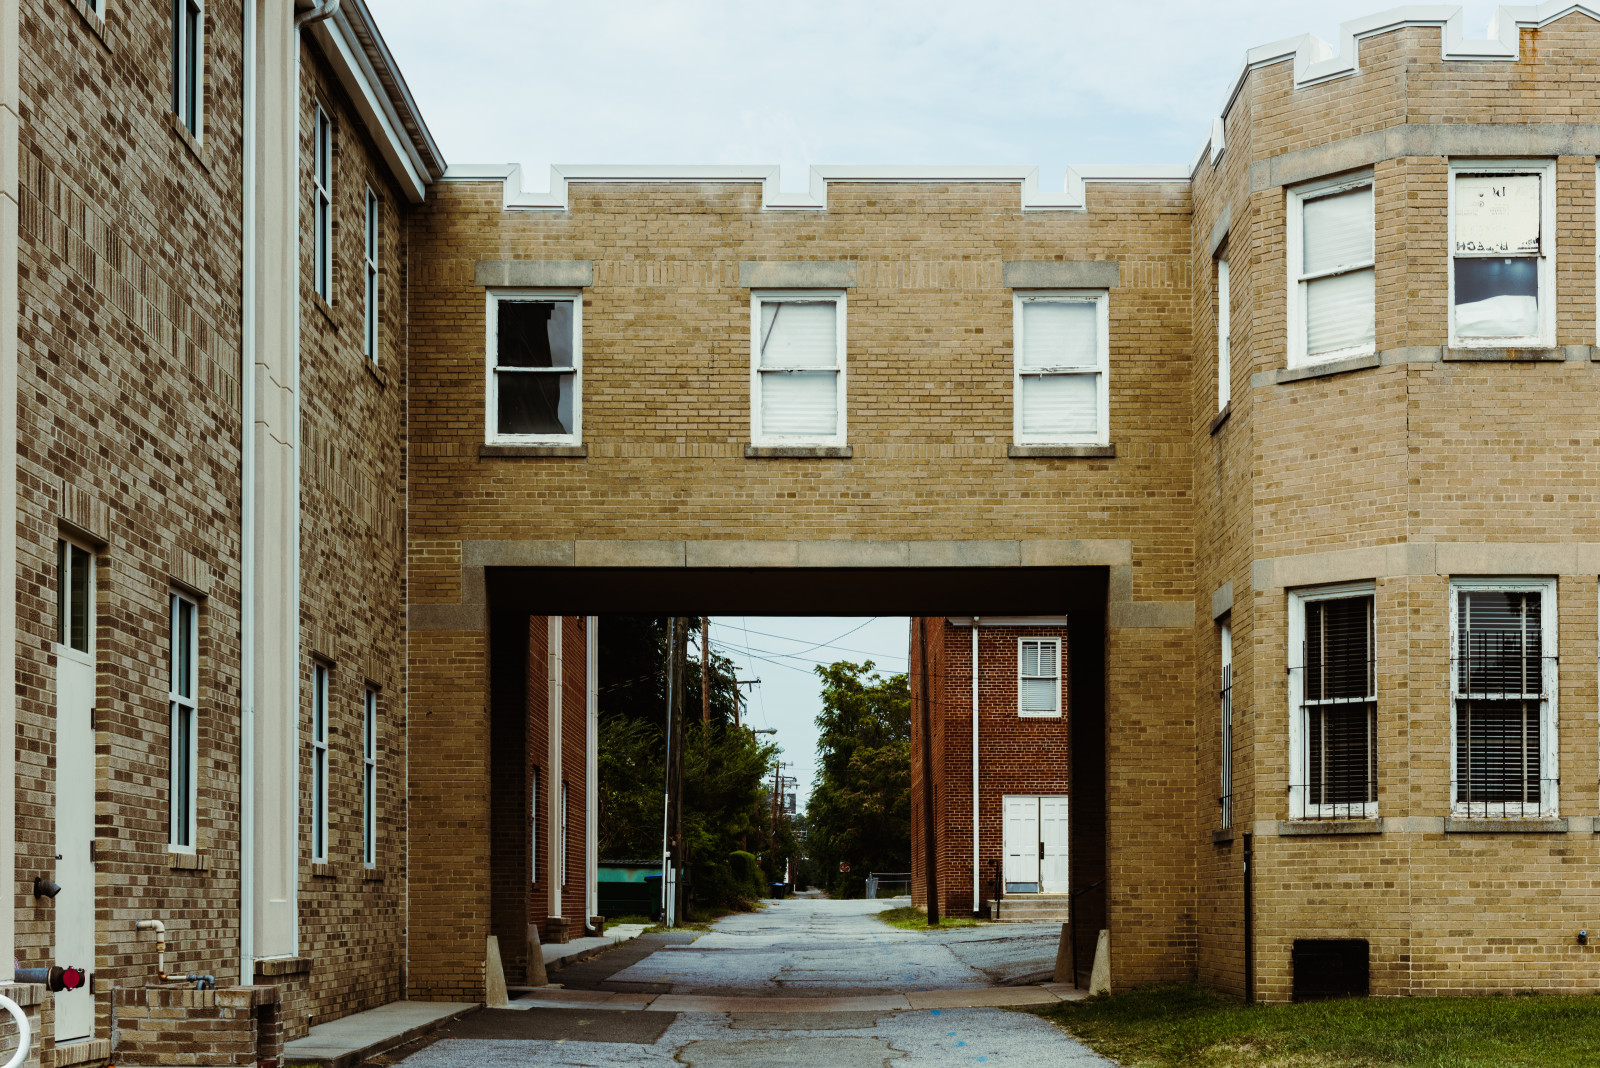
[(325, 460)]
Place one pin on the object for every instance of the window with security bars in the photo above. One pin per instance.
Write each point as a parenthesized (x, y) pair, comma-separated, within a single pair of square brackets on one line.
[(1225, 799), (1061, 369), (1331, 265), (798, 375), (535, 368), (1502, 681), (1336, 691), (1039, 677)]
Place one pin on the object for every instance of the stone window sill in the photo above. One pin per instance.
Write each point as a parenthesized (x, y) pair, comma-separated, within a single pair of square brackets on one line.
[(1483, 825), (1305, 828), (1062, 452), (1323, 370), (798, 452), (1558, 354), (1222, 835), (277, 966), (1220, 418), (508, 452)]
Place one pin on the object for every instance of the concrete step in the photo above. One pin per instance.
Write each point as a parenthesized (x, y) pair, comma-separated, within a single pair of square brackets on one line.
[(1031, 908)]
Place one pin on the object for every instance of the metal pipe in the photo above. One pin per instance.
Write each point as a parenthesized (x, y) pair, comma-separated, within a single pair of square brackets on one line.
[(977, 893), (317, 13), (930, 840), (1249, 920), (247, 519)]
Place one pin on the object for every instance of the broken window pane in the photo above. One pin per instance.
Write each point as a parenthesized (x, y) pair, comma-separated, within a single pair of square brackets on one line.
[(534, 403), (535, 334), (1497, 297), (1497, 214)]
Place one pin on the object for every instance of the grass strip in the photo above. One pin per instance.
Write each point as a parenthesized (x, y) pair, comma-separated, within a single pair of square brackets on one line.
[(908, 918), (1196, 1027)]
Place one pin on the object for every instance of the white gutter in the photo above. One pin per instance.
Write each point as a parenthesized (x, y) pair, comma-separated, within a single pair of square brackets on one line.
[(293, 430), (977, 893), (591, 771), (247, 520), (10, 346)]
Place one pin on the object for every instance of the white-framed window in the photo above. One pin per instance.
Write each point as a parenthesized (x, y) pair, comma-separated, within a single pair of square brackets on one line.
[(98, 7), (1061, 368), (1502, 253), (1225, 700), (183, 673), (1503, 697), (1333, 703), (535, 379), (797, 368), (74, 597), (319, 763), (533, 824), (1038, 676), (188, 54), (322, 204), (369, 777), (1332, 304), (1224, 340), (561, 839), (370, 333)]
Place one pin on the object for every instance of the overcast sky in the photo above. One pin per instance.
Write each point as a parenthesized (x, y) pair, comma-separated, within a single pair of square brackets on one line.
[(798, 83), (782, 653)]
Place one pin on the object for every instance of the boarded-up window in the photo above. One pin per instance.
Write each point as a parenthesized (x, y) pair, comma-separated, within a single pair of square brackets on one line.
[(1497, 252)]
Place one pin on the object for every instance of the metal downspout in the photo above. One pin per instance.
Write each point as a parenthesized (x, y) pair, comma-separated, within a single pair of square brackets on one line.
[(247, 518), (319, 13), (977, 893)]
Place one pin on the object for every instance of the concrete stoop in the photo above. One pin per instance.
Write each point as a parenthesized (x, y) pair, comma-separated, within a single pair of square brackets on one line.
[(346, 1042), (1031, 908)]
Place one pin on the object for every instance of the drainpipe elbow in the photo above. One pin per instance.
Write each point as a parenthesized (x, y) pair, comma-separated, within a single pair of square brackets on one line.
[(317, 13)]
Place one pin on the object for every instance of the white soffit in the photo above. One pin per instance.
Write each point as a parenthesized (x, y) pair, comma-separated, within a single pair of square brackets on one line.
[(360, 81), (773, 198)]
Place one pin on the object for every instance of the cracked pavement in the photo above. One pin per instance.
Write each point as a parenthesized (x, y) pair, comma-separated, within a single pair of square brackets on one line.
[(798, 948)]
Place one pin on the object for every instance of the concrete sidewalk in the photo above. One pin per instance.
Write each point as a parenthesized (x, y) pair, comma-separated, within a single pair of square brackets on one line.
[(347, 1042), (559, 953)]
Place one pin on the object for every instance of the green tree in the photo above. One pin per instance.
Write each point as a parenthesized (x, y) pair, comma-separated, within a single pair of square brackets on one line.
[(860, 807)]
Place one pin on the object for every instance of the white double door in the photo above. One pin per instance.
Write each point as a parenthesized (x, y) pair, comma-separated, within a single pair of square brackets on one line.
[(1035, 843)]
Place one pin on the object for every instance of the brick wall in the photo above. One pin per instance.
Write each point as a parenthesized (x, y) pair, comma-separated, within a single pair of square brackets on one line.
[(179, 1025)]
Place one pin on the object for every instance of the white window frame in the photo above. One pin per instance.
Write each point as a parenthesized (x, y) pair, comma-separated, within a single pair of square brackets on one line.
[(1298, 355), (322, 204), (98, 9), (369, 336), (188, 80), (491, 411), (182, 832), (64, 646), (1549, 747), (1224, 334), (1022, 643), (837, 297), (1546, 169), (369, 777), (1225, 715), (319, 762), (1298, 599), (1101, 368), (561, 839)]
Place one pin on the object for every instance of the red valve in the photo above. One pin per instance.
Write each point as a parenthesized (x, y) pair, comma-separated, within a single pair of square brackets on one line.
[(72, 978)]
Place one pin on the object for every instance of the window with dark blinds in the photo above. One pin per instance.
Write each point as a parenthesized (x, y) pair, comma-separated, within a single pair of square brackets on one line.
[(1339, 706), (1500, 694)]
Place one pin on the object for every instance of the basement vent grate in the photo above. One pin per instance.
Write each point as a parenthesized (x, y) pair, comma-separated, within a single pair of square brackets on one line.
[(1330, 968)]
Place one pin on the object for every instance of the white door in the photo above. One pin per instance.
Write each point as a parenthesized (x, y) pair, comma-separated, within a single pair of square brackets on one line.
[(1021, 817), (1053, 837), (75, 775)]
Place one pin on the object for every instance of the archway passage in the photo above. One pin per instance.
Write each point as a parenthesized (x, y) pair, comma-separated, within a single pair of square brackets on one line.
[(536, 614)]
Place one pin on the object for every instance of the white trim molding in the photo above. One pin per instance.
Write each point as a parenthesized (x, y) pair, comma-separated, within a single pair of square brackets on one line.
[(774, 198)]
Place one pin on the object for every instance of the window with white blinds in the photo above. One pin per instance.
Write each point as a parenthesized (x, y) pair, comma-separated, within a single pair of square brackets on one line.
[(1039, 677), (1331, 269), (1333, 703), (797, 372), (1061, 368), (1502, 687), (1224, 328), (1501, 238)]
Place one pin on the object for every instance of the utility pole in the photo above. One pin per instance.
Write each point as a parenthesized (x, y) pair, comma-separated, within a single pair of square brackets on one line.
[(679, 633), (705, 671), (736, 701)]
